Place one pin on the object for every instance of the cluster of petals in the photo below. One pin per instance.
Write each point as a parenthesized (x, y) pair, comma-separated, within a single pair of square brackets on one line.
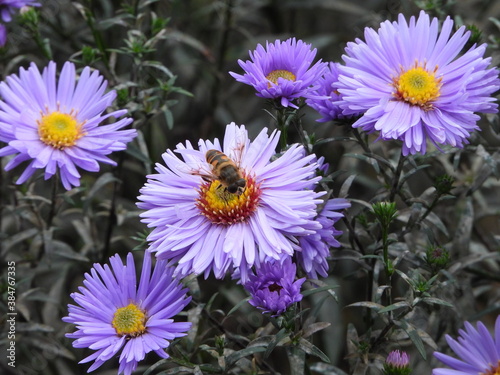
[(326, 99), (31, 95), (286, 205), (478, 351), (291, 56), (463, 83), (313, 250), (107, 289), (273, 287)]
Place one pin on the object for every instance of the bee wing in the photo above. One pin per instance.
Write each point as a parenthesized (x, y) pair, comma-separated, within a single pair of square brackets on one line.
[(197, 169)]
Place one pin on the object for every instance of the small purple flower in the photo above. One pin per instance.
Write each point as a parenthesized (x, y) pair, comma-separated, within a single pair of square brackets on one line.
[(478, 350), (282, 71), (412, 83), (9, 7), (328, 100), (313, 250), (273, 287), (56, 124), (397, 363), (116, 313)]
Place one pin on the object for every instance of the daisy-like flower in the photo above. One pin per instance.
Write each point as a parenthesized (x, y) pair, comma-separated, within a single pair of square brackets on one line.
[(413, 84), (479, 352), (115, 314), (9, 7), (273, 287), (313, 250), (327, 99), (56, 123), (197, 222), (282, 71)]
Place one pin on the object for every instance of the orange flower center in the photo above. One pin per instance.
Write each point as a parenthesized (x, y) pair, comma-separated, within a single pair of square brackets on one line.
[(221, 207), (494, 370)]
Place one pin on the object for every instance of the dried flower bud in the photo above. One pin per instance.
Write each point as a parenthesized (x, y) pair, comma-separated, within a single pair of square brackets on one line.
[(444, 184), (437, 257)]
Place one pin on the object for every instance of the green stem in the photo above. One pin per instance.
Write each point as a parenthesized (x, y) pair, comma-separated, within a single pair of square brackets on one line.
[(397, 175)]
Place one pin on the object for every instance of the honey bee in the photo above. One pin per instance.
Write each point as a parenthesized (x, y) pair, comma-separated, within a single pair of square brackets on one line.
[(226, 171)]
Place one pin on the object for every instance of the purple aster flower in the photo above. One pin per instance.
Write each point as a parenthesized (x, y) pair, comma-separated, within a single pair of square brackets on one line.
[(56, 124), (397, 363), (116, 313), (9, 7), (479, 352), (413, 84), (313, 250), (328, 99), (199, 224), (273, 287), (282, 71)]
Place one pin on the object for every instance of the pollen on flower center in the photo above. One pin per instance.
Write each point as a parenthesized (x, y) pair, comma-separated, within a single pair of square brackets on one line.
[(129, 320), (494, 370), (59, 130), (275, 74), (222, 207), (418, 86)]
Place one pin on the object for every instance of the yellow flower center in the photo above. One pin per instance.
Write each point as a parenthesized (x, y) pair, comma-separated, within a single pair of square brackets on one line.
[(59, 130), (418, 86), (221, 207), (129, 320), (275, 74), (494, 370)]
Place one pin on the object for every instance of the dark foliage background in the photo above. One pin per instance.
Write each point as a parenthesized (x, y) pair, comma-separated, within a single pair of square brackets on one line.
[(169, 62)]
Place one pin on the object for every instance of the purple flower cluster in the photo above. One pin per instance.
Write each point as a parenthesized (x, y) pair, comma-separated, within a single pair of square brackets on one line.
[(407, 81), (273, 287)]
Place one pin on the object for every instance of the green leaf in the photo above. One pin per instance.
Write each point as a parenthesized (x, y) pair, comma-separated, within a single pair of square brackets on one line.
[(394, 306), (283, 333), (236, 356), (436, 301), (414, 337), (238, 305), (311, 349), (367, 304)]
